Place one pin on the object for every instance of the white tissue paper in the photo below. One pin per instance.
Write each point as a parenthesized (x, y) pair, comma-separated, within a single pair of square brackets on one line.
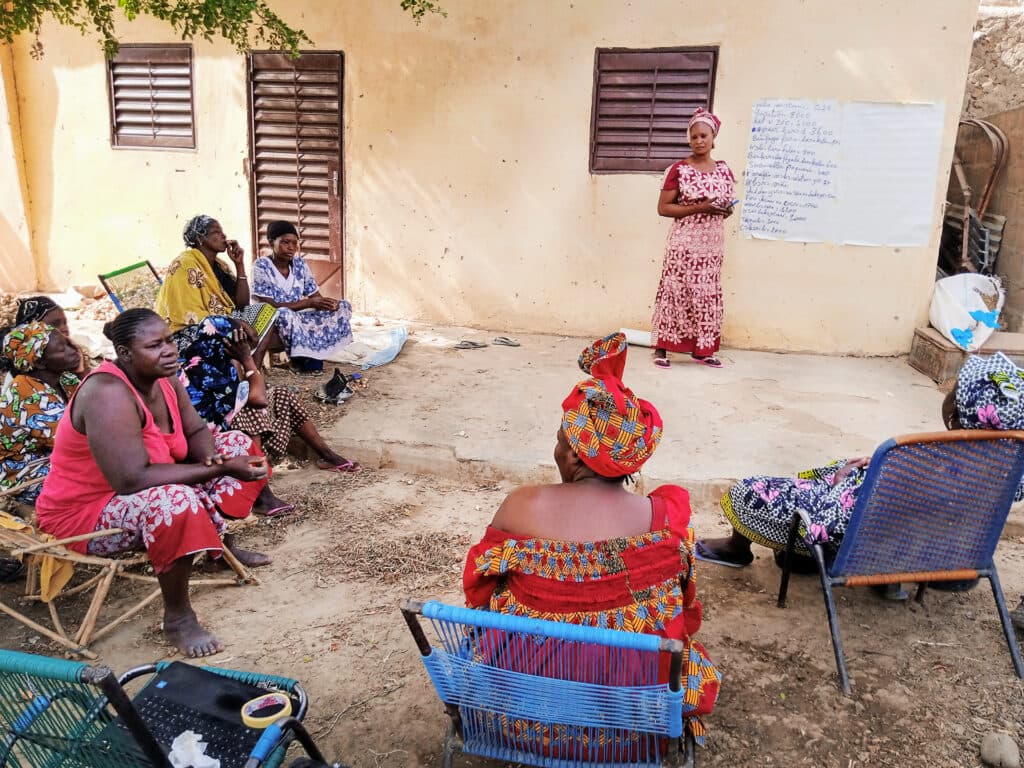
[(188, 750)]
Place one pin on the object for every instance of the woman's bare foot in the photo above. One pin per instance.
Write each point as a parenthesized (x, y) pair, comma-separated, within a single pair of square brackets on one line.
[(190, 637), (331, 458), (269, 505), (246, 557)]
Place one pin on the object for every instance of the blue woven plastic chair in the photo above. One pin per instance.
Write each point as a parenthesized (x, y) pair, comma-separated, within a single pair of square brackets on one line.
[(53, 714), (931, 508), (552, 694)]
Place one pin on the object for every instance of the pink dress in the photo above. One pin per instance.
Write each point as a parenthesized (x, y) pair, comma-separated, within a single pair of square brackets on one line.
[(688, 305)]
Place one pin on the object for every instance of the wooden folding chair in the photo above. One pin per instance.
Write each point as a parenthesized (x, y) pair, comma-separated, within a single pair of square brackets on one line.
[(34, 548), (932, 508)]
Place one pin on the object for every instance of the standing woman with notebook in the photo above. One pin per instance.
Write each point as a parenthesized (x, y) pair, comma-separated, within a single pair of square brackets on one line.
[(697, 194)]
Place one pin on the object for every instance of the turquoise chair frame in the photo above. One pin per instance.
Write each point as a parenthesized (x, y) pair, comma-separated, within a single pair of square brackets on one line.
[(53, 712)]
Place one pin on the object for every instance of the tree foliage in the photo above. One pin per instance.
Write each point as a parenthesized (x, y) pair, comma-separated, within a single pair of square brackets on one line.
[(246, 24)]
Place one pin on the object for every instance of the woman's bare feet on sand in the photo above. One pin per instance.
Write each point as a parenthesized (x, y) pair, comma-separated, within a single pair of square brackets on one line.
[(246, 557), (269, 505), (190, 637)]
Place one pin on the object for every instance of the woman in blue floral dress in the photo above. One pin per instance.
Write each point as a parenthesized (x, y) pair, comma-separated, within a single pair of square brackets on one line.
[(989, 394), (314, 328)]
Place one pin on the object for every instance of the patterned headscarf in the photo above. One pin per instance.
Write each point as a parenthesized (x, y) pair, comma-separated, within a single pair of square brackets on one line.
[(24, 345), (196, 229), (612, 430), (33, 309), (990, 393), (701, 115)]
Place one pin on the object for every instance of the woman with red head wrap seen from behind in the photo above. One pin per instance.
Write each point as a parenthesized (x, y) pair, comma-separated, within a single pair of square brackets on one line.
[(588, 551)]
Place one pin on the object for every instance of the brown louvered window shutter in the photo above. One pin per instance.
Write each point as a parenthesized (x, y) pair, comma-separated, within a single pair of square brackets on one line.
[(151, 97), (643, 101), (296, 134)]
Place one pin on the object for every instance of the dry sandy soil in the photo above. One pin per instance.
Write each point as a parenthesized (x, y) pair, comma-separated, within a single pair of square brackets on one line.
[(929, 681)]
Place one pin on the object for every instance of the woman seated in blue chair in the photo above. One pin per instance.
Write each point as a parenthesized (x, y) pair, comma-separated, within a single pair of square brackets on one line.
[(587, 550), (989, 394)]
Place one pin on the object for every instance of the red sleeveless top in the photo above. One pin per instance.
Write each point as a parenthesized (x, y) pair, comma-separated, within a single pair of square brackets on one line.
[(75, 490)]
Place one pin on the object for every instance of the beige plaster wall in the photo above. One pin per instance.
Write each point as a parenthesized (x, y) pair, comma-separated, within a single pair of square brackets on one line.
[(17, 265), (468, 197)]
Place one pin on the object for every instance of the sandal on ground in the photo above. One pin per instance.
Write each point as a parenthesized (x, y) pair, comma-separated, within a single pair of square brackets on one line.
[(662, 362), (283, 511), (335, 391), (304, 373), (346, 466), (10, 569), (505, 341), (703, 552), (467, 344), (710, 362)]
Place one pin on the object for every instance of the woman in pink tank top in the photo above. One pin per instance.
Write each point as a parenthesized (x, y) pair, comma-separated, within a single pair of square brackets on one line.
[(131, 452)]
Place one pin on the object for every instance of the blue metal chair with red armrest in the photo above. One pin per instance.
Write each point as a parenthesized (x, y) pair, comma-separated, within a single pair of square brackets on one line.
[(931, 508)]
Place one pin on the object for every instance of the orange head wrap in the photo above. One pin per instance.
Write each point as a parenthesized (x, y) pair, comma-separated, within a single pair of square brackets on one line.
[(612, 430)]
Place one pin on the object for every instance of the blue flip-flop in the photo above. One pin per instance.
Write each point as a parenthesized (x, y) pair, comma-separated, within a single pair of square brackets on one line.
[(701, 552)]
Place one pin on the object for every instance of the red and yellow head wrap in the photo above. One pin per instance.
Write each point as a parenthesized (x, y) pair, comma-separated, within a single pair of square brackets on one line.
[(612, 430)]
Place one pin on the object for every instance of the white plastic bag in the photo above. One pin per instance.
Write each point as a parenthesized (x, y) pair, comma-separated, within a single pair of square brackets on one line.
[(965, 309)]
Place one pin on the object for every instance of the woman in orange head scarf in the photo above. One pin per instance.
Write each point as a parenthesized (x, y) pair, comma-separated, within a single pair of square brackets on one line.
[(588, 551)]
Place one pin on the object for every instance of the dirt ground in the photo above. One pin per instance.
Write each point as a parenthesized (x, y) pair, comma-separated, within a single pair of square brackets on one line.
[(929, 681)]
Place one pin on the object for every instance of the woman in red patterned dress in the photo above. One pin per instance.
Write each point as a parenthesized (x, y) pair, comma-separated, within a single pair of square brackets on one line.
[(697, 193), (587, 550)]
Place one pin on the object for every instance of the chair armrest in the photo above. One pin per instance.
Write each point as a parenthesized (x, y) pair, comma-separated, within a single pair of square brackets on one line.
[(283, 730)]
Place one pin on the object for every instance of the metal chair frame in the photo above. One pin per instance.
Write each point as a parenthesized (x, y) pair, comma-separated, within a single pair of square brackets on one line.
[(34, 704), (682, 756), (838, 572)]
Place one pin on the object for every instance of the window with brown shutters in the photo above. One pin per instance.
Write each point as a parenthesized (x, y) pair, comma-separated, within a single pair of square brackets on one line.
[(643, 100), (151, 97)]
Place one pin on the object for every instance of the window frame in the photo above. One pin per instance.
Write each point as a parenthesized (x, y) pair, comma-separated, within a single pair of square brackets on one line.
[(661, 163), (170, 54)]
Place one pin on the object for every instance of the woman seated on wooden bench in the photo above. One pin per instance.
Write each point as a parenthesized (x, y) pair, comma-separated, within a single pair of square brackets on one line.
[(132, 453), (989, 394), (588, 551)]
